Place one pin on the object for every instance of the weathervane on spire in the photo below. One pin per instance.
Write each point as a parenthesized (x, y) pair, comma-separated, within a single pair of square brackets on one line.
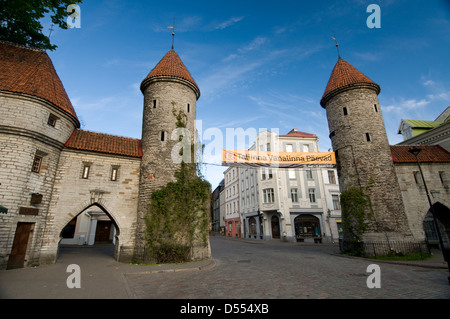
[(173, 32), (51, 30), (337, 44)]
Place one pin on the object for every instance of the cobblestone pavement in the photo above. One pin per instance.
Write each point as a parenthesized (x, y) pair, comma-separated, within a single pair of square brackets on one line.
[(275, 270), (239, 270)]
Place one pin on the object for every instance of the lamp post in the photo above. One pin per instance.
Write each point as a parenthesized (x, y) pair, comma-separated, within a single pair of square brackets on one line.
[(415, 151)]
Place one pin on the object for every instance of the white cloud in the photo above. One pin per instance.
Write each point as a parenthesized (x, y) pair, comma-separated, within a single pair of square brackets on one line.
[(228, 23), (406, 105), (255, 44)]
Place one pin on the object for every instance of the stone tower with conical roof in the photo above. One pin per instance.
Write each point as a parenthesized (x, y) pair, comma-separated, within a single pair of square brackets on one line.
[(363, 155), (169, 92)]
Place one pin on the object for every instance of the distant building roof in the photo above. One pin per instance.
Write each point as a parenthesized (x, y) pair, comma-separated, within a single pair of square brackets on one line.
[(344, 76), (170, 66), (104, 143), (429, 154), (30, 71), (295, 133)]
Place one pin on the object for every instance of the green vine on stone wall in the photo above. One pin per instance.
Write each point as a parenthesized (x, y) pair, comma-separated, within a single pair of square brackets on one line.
[(354, 206), (178, 216)]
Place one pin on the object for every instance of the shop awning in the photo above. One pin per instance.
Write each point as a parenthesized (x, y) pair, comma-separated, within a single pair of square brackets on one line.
[(3, 209)]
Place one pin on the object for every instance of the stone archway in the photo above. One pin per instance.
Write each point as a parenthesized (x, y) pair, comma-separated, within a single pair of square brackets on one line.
[(442, 214), (84, 229), (92, 225)]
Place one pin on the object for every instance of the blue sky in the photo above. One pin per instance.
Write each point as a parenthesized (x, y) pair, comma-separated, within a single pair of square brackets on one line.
[(259, 64)]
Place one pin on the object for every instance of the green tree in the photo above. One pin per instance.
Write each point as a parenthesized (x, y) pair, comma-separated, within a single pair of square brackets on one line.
[(20, 20)]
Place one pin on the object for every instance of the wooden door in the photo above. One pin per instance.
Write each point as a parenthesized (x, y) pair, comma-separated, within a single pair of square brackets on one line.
[(103, 231), (275, 227), (20, 245)]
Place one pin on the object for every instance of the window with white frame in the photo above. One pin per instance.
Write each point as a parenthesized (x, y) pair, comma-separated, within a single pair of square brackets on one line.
[(289, 148), (268, 195), (291, 173), (336, 203), (294, 195), (312, 195), (331, 177)]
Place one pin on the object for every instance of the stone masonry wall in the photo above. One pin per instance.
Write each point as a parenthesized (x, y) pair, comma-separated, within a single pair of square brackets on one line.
[(364, 159), (414, 195), (24, 133), (161, 97), (73, 194)]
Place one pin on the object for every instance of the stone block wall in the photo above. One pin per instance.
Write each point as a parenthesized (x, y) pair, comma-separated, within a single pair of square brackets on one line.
[(364, 159), (73, 194), (25, 133), (437, 178)]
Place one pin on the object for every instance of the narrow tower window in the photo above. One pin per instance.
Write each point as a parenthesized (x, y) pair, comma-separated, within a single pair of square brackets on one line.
[(163, 136), (114, 173), (345, 111), (52, 120), (154, 104), (86, 168), (188, 108), (375, 107), (367, 137), (36, 164)]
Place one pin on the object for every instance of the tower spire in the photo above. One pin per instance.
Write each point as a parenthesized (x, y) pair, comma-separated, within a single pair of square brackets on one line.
[(337, 44), (173, 32)]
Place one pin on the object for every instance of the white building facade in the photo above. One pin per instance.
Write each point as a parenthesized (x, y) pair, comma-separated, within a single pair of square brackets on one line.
[(232, 206), (289, 204)]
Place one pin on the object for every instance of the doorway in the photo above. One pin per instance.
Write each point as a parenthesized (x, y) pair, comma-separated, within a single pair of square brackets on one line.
[(275, 227), (103, 232), (20, 245)]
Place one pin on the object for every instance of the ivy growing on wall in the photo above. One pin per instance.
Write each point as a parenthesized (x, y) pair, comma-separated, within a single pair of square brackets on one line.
[(178, 216), (355, 206)]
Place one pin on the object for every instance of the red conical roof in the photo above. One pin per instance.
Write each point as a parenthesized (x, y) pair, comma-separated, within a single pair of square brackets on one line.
[(30, 71), (343, 76), (170, 66)]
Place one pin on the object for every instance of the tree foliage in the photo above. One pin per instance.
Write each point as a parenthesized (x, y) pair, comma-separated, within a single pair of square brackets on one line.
[(20, 20)]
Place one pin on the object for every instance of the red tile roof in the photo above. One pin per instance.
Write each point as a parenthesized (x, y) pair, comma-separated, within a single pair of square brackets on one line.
[(104, 143), (30, 71), (295, 133), (429, 154), (345, 75), (170, 66)]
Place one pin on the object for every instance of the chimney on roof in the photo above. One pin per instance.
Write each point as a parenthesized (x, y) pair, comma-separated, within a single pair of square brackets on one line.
[(293, 130)]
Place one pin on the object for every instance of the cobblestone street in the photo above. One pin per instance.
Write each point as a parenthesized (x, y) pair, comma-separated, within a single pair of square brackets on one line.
[(265, 270), (239, 270)]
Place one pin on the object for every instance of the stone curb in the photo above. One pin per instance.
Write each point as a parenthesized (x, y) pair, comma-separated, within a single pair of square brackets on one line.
[(210, 264)]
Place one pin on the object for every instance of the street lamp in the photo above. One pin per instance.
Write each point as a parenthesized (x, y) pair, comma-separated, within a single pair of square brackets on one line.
[(415, 151)]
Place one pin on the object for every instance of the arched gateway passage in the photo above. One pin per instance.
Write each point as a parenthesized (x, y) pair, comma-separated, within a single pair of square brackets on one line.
[(94, 225)]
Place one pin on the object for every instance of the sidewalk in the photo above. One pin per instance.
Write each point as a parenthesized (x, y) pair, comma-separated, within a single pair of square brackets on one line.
[(101, 276)]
